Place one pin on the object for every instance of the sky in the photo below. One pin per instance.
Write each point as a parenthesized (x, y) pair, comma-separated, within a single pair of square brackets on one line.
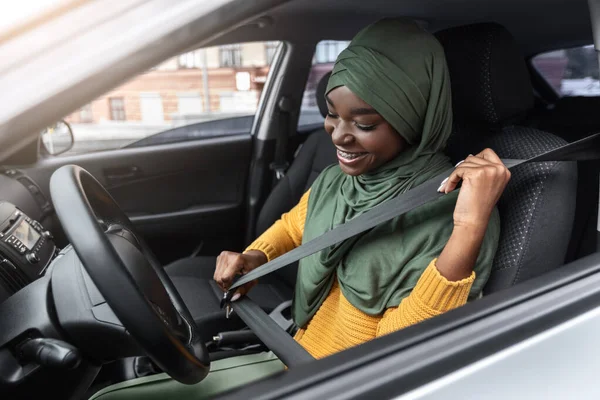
[(16, 12)]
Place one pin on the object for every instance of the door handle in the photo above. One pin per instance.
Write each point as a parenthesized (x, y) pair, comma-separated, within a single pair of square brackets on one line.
[(121, 174)]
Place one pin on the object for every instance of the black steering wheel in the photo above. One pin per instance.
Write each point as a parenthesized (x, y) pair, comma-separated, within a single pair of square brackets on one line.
[(128, 275)]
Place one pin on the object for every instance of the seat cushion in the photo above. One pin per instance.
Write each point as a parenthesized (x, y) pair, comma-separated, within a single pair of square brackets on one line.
[(192, 277)]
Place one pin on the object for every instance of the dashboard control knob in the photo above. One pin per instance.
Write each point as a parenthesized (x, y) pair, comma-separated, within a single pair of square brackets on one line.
[(32, 258)]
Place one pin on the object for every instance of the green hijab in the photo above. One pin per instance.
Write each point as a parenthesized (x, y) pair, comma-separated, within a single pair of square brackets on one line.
[(399, 70)]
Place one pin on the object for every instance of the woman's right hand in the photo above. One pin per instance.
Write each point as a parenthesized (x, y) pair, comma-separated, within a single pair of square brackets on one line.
[(230, 265)]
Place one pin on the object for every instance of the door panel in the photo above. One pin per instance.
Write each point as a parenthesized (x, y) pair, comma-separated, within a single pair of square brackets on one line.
[(179, 195)]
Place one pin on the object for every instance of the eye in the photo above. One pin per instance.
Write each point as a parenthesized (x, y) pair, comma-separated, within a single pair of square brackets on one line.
[(331, 115), (365, 128)]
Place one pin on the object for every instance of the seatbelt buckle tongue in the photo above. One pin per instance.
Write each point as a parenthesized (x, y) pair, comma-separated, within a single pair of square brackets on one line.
[(226, 302), (279, 168)]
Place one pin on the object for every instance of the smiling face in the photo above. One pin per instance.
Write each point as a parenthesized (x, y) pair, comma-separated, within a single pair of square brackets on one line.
[(364, 140)]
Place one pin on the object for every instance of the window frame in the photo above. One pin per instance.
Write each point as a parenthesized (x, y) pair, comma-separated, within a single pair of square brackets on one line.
[(115, 110), (271, 50)]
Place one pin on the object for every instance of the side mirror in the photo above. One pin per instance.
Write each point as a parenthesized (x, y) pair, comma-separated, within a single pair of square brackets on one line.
[(57, 138)]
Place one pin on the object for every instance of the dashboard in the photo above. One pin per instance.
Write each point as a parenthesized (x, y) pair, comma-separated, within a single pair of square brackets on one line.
[(26, 247)]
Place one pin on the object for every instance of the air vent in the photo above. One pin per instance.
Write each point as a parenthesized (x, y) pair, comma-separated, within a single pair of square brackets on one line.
[(12, 278), (35, 191)]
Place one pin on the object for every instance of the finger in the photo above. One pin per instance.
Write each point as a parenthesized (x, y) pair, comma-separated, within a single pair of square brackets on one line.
[(477, 160), (449, 184), (227, 268), (243, 290), (216, 273), (457, 175), (233, 268), (490, 155), (471, 164), (219, 269), (463, 167)]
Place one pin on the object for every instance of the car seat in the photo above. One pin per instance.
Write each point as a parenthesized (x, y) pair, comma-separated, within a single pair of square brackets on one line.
[(491, 95)]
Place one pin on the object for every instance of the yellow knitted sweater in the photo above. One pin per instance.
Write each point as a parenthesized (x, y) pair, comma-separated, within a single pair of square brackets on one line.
[(338, 325)]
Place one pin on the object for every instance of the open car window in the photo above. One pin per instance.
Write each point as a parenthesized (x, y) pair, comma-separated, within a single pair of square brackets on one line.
[(326, 52), (200, 94), (570, 72)]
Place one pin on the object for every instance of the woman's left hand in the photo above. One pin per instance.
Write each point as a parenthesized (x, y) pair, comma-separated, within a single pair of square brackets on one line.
[(484, 178)]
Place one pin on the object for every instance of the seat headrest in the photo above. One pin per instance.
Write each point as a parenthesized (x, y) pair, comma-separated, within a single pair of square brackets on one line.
[(490, 81), (320, 93)]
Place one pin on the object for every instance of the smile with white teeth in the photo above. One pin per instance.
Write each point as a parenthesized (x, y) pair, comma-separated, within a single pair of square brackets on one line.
[(349, 156)]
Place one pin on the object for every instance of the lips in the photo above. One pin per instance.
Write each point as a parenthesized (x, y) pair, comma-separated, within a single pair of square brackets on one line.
[(347, 157)]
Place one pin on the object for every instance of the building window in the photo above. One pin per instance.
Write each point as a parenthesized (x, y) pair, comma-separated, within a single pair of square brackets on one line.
[(190, 60), (85, 114), (270, 49), (117, 108), (328, 50), (230, 55)]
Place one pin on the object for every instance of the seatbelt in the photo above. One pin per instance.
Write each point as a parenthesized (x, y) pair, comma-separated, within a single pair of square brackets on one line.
[(280, 163), (581, 150)]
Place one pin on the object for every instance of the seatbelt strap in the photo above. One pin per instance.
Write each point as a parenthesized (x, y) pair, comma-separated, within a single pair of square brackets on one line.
[(584, 149), (280, 163)]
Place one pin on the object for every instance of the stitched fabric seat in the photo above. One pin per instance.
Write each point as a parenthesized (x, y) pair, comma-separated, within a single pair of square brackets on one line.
[(491, 94)]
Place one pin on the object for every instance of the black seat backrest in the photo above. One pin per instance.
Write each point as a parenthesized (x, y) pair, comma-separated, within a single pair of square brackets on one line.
[(491, 93), (316, 153)]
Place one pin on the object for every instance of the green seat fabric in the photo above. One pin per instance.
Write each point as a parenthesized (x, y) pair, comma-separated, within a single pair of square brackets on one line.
[(224, 375)]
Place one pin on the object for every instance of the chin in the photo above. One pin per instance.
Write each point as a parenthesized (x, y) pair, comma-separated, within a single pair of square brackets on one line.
[(350, 170)]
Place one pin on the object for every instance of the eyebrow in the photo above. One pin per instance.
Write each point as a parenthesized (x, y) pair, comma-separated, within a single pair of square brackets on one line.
[(363, 111), (356, 111)]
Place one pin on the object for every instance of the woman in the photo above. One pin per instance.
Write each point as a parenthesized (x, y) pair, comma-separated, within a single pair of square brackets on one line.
[(389, 117)]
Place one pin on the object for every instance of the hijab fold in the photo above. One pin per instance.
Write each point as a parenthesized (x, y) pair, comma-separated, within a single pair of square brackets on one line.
[(399, 70)]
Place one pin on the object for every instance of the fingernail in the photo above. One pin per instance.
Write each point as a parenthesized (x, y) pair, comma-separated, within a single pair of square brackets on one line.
[(458, 163), (236, 296), (442, 184)]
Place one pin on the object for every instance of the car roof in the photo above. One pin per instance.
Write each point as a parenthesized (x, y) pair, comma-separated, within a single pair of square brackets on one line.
[(537, 25)]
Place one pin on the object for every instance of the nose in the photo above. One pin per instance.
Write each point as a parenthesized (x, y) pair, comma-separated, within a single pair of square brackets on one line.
[(341, 135)]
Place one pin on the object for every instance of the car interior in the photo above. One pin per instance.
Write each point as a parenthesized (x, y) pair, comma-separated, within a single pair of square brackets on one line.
[(189, 200)]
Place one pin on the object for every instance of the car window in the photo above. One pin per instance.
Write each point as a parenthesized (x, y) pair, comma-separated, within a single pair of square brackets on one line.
[(326, 52), (571, 72), (203, 93)]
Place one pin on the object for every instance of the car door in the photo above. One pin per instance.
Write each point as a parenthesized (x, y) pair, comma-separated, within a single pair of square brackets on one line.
[(173, 147)]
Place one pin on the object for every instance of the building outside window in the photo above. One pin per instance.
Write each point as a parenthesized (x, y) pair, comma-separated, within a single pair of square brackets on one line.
[(192, 96), (270, 49), (230, 55), (328, 50), (85, 114), (190, 60), (117, 108), (571, 72)]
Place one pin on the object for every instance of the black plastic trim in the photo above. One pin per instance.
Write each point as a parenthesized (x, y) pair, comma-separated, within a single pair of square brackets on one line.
[(193, 212)]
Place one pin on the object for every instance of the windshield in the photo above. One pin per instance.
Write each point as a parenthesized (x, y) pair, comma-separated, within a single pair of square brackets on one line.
[(16, 14)]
